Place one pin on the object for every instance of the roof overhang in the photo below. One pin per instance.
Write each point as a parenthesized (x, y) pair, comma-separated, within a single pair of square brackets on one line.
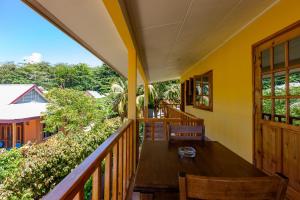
[(88, 23), (9, 121), (15, 113), (170, 35)]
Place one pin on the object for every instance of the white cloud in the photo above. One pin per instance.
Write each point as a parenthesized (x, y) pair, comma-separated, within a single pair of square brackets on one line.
[(33, 58)]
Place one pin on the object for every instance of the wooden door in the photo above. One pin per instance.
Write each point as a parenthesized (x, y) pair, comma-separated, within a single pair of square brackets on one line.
[(9, 136), (276, 75), (20, 133)]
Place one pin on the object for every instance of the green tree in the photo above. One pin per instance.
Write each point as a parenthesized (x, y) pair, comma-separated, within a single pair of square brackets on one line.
[(172, 93), (70, 111), (104, 76), (141, 97), (83, 77), (9, 73), (120, 97), (105, 104), (63, 76), (79, 77), (167, 90)]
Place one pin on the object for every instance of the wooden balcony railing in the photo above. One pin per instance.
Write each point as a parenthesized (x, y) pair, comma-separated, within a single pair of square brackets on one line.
[(161, 110), (173, 112), (159, 127), (111, 166), (169, 114)]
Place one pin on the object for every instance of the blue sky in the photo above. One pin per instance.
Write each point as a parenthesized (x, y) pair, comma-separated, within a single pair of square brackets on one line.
[(24, 34)]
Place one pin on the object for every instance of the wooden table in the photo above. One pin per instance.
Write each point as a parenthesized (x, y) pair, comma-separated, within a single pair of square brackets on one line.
[(160, 164)]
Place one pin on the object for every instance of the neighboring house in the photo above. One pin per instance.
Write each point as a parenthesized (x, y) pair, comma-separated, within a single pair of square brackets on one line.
[(94, 94), (21, 106)]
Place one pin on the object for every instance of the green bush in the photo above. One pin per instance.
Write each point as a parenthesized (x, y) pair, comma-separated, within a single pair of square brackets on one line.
[(38, 168), (9, 162)]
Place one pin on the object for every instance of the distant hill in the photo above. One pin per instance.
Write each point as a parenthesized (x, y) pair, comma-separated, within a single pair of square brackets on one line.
[(79, 76)]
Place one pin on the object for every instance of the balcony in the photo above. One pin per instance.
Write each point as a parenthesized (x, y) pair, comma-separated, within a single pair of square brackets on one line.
[(237, 54), (113, 164), (117, 172)]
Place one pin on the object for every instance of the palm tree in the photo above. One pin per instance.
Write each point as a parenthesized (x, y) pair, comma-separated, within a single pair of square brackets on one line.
[(172, 93), (120, 93), (157, 92), (141, 97)]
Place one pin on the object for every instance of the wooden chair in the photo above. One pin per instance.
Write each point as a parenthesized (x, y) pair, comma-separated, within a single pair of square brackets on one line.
[(186, 132), (202, 187)]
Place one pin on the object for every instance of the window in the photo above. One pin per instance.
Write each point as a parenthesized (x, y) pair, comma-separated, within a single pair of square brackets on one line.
[(280, 82), (32, 96), (203, 91)]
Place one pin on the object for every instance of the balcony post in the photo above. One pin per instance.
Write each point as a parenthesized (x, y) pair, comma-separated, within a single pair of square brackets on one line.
[(117, 15), (132, 85), (14, 134)]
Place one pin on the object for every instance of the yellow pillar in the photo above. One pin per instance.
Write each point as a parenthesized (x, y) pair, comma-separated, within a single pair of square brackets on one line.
[(116, 13), (14, 134), (132, 83)]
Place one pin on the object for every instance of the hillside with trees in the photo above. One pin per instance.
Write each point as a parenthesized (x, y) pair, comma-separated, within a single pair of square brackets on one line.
[(80, 76)]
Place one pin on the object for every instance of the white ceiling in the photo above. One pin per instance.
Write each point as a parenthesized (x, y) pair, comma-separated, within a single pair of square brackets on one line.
[(90, 24), (174, 34), (171, 34)]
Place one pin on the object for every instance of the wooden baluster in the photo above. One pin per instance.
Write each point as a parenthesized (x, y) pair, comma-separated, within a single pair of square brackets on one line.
[(133, 147), (120, 170), (137, 144), (107, 177), (80, 194), (165, 130), (115, 172), (96, 191), (130, 152), (152, 131), (128, 156), (144, 136), (124, 163)]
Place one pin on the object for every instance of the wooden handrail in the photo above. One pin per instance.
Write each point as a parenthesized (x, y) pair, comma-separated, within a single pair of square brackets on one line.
[(166, 123), (171, 112), (151, 120), (118, 152)]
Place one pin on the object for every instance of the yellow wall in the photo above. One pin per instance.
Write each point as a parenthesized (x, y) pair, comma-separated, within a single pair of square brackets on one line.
[(231, 121)]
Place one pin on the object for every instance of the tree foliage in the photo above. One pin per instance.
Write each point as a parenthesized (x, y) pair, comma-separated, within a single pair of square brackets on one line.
[(70, 110), (79, 76), (82, 122), (40, 167), (120, 97), (168, 90), (280, 90)]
